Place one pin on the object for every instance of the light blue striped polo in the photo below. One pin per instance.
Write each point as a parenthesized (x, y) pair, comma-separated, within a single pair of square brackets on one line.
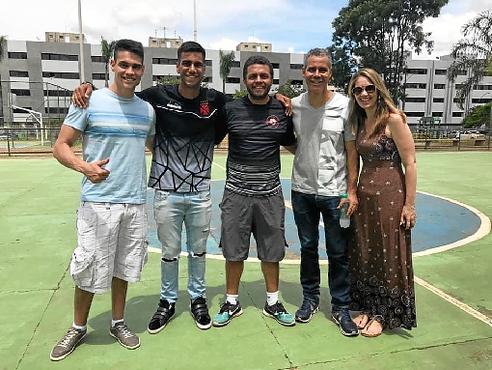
[(116, 128)]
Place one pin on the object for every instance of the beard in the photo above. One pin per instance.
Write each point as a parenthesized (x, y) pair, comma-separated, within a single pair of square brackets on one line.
[(258, 95)]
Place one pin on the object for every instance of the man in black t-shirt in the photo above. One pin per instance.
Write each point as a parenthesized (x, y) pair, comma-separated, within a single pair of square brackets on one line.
[(253, 201)]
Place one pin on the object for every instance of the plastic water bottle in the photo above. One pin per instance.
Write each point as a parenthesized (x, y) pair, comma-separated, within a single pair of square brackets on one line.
[(344, 218)]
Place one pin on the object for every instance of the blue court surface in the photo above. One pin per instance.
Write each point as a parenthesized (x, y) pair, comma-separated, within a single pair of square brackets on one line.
[(440, 222)]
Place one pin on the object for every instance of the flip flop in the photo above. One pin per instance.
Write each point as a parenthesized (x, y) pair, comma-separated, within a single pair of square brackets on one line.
[(374, 319), (361, 320)]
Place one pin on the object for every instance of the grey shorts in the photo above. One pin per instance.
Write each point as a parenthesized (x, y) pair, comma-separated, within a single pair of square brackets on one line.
[(261, 216), (111, 242)]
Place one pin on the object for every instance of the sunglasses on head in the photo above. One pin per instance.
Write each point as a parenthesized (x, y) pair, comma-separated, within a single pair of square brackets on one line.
[(359, 89)]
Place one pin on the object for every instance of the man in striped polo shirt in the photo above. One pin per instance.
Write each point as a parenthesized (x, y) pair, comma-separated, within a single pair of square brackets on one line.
[(111, 223)]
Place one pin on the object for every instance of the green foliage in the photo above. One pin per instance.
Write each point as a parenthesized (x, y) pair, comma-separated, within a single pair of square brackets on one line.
[(240, 94), (342, 66), (473, 54), (377, 34), (290, 90), (226, 60), (107, 54), (169, 80), (478, 116)]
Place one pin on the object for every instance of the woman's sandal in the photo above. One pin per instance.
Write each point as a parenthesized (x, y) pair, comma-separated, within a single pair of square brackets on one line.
[(374, 322), (361, 320)]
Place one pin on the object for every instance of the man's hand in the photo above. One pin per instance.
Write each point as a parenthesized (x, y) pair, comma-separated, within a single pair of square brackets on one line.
[(285, 101), (81, 94), (95, 171)]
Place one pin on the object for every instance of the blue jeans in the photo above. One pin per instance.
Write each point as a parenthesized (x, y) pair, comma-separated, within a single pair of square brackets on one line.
[(307, 209), (171, 211)]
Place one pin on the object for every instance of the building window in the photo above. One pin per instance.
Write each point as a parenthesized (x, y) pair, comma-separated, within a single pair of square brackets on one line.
[(98, 59), (481, 100), (297, 82), (19, 73), (415, 85), (416, 71), (166, 61), (439, 86), (207, 79), (440, 71), (438, 100), (233, 80), (21, 92), (17, 55), (482, 87), (99, 76), (62, 75), (63, 57), (56, 110), (276, 65), (414, 114), (59, 92), (275, 81), (457, 114), (436, 114), (235, 64), (414, 100), (296, 66), (208, 63)]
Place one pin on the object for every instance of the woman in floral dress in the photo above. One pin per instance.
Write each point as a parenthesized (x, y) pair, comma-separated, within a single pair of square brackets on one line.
[(380, 255)]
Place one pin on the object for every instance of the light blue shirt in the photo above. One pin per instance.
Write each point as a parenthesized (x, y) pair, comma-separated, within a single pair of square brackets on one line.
[(116, 128)]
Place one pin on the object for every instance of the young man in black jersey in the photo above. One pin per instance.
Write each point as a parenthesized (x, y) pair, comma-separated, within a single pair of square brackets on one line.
[(253, 201), (188, 120)]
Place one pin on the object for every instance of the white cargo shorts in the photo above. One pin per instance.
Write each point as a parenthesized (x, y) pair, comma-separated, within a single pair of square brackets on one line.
[(111, 242)]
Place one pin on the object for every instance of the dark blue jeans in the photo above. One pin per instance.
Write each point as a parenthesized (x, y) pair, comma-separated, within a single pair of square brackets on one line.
[(307, 210)]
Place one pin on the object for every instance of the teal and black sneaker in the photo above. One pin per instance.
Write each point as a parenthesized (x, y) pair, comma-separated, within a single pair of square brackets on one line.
[(227, 312), (279, 313)]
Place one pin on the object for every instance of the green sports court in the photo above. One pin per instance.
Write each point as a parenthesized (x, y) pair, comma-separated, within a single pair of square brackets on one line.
[(38, 200)]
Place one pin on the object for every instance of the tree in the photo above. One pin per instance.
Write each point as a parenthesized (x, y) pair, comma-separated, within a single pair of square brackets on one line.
[(290, 90), (342, 66), (479, 115), (169, 80), (226, 61), (473, 54), (380, 33), (107, 54), (240, 94)]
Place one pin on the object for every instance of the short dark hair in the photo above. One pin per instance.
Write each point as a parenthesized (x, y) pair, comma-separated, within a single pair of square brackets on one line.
[(318, 52), (256, 59), (132, 46), (190, 47)]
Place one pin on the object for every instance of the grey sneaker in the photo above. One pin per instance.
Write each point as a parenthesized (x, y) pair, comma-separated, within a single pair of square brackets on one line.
[(67, 344), (125, 336)]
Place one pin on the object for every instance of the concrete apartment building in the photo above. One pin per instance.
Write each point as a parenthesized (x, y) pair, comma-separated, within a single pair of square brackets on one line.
[(41, 75)]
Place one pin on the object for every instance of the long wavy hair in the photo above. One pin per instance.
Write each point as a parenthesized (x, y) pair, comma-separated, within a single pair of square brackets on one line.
[(384, 103)]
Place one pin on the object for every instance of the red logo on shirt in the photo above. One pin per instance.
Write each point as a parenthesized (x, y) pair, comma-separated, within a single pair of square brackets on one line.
[(204, 108), (272, 121)]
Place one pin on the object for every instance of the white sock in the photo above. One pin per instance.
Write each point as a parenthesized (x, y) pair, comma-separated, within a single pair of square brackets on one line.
[(79, 327), (114, 322), (272, 298), (232, 298)]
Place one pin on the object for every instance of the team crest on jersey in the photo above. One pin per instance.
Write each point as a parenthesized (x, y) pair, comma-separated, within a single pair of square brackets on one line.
[(204, 108), (272, 121)]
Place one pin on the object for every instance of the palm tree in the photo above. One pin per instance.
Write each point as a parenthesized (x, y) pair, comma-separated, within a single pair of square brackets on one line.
[(473, 54), (226, 60), (107, 53), (3, 49)]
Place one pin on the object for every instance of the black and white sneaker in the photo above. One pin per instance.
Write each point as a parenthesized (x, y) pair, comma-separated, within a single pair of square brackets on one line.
[(164, 313), (342, 318), (199, 311), (305, 313)]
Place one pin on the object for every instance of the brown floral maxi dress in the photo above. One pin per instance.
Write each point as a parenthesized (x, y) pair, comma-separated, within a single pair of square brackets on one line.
[(380, 255)]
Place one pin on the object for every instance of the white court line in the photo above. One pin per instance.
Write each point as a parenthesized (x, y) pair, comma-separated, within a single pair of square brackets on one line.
[(454, 301), (220, 166)]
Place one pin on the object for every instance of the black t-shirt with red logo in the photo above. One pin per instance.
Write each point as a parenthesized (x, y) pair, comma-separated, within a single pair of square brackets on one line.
[(255, 135), (186, 131)]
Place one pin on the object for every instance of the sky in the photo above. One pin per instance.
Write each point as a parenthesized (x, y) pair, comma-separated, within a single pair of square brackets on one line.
[(290, 25)]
